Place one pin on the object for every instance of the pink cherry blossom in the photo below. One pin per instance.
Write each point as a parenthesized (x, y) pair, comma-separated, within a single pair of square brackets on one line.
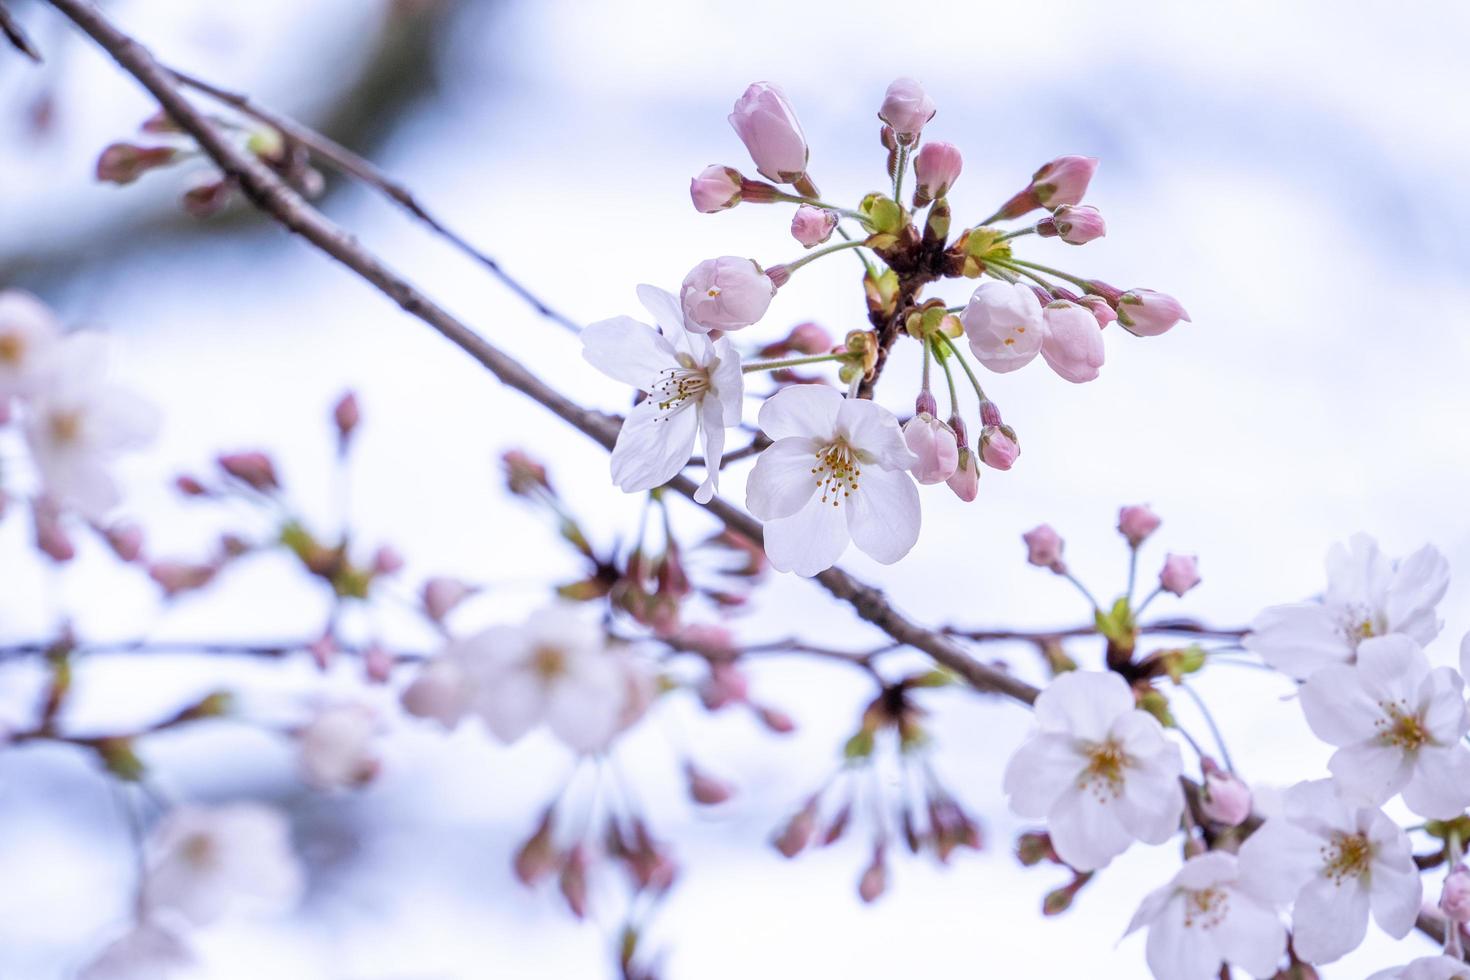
[(1044, 547), (727, 293), (907, 108), (767, 125), (1004, 324), (998, 447), (936, 167), (1136, 523), (715, 188), (1063, 180), (965, 481), (1148, 314), (1179, 574), (812, 226), (1073, 344), (933, 442), (1075, 224)]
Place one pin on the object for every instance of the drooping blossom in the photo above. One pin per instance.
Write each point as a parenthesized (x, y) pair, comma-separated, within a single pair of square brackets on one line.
[(837, 470), (1100, 771), (1454, 897), (1336, 862), (78, 421), (1075, 224), (1072, 344), (336, 748), (998, 447), (440, 691), (727, 293), (933, 442), (1398, 726), (147, 951), (29, 334), (1004, 324), (812, 226), (1148, 313), (907, 108), (715, 188), (207, 861), (767, 125), (1209, 915), (1367, 595), (965, 481), (1179, 574), (693, 386), (1063, 181)]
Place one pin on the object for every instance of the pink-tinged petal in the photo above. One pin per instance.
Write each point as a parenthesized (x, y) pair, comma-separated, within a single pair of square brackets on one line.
[(1250, 936), (809, 541), (1004, 324), (1043, 768), (1085, 831), (1330, 919), (1370, 772), (1177, 951), (1083, 703), (653, 446), (1419, 583), (627, 351), (712, 431), (883, 515), (809, 411), (510, 703), (1207, 870), (1072, 344), (873, 431), (1278, 859), (1298, 639), (1439, 786), (782, 481), (1338, 709)]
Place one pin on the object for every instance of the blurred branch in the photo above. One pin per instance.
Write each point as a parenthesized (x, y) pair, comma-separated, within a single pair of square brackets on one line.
[(18, 651), (263, 188), (1187, 627), (16, 34)]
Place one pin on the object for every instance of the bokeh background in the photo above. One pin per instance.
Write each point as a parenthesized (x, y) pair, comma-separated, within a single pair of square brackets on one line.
[(1294, 172)]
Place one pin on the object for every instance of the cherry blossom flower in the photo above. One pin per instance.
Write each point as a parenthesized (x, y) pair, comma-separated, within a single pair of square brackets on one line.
[(837, 471), (1427, 968), (715, 188), (148, 951), (1337, 862), (1099, 770), (1004, 324), (77, 422), (1226, 799), (1136, 522), (1367, 595), (28, 335), (694, 386), (1072, 344), (907, 108), (936, 167), (1398, 726), (933, 442), (206, 861), (1179, 574), (1148, 313), (727, 293), (555, 669), (767, 125), (336, 748), (1208, 915), (440, 691), (1063, 181), (812, 226)]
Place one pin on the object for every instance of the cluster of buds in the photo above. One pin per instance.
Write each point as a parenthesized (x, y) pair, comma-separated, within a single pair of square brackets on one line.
[(211, 191)]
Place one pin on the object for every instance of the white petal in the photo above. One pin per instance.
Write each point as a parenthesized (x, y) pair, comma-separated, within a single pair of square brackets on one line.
[(665, 308), (1154, 905), (1330, 919), (1441, 699), (1396, 890), (1419, 584), (1278, 859), (1465, 656), (727, 382), (809, 411), (1439, 787), (782, 481), (1250, 936), (1338, 709), (627, 351), (883, 515), (1152, 800), (809, 541), (653, 446), (1040, 770), (1391, 668), (1085, 830), (510, 703), (1298, 639), (583, 708), (1177, 952), (874, 431), (1358, 573), (713, 428), (1370, 772), (1317, 805), (1084, 703), (1207, 871)]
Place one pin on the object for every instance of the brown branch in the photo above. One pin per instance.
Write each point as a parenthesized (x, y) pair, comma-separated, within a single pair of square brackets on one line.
[(36, 648), (16, 34), (1186, 627), (271, 195)]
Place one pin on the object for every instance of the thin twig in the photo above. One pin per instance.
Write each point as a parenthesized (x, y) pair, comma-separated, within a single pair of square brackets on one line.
[(16, 34)]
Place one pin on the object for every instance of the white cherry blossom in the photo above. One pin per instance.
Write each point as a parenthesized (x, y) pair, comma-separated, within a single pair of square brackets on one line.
[(205, 861), (336, 747), (1398, 725), (1427, 968), (1367, 595), (28, 335), (1100, 771), (147, 951), (694, 386), (837, 470), (1207, 915), (1336, 862)]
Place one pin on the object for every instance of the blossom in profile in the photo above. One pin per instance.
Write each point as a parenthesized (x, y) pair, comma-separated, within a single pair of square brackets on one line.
[(29, 334), (767, 125), (1072, 344)]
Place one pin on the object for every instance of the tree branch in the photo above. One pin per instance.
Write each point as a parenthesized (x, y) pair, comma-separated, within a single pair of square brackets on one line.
[(16, 34)]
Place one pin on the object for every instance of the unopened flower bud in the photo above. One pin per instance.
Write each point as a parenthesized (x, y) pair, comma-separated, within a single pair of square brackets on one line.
[(441, 594), (123, 163), (440, 692), (387, 560), (934, 443), (813, 226), (1034, 847), (1063, 180), (524, 475), (1454, 900), (1226, 799), (346, 416), (335, 749), (936, 167), (715, 188), (1044, 548), (767, 125), (177, 577), (998, 446), (1073, 224), (1148, 313), (1180, 574), (727, 293), (125, 540), (50, 534), (704, 788), (537, 857), (775, 719), (907, 108), (1100, 308), (1136, 523), (1073, 346), (208, 196), (254, 469), (874, 881), (190, 486), (797, 833), (965, 481)]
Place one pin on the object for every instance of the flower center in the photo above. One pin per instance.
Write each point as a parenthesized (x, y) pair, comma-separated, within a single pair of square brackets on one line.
[(1346, 856), (12, 348), (198, 850), (548, 662), (1400, 727), (65, 427), (1357, 623), (1205, 908), (1106, 761), (677, 385), (837, 472)]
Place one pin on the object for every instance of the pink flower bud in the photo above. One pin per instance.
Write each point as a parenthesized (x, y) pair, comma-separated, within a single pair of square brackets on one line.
[(176, 577), (377, 663), (440, 595), (798, 832), (1454, 900), (804, 338), (775, 719), (965, 482), (998, 446), (725, 686), (50, 535), (1044, 548), (537, 857), (907, 108), (123, 163), (715, 188), (727, 293), (812, 226), (1073, 346), (254, 469), (936, 168), (1180, 574), (1074, 224), (346, 416), (440, 692), (387, 560), (1104, 313), (573, 882), (1148, 314), (524, 476), (125, 540), (1137, 522), (874, 881), (190, 486), (208, 197), (1226, 799), (934, 443), (706, 789), (767, 125), (1063, 180)]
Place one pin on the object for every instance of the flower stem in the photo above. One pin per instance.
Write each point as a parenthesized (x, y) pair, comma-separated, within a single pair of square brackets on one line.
[(900, 165), (974, 381), (872, 272), (813, 256), (814, 202), (954, 398), (928, 356), (1147, 599), (1017, 233), (787, 362), (1045, 283), (1075, 280), (1204, 709)]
